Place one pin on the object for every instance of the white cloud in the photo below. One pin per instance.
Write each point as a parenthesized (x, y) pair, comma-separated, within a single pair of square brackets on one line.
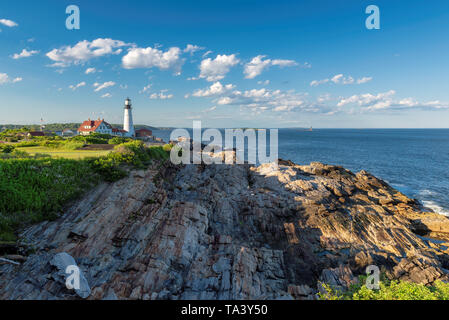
[(207, 53), (368, 99), (315, 83), (215, 89), (258, 100), (386, 100), (8, 23), (25, 54), (4, 79), (146, 88), (213, 70), (105, 85), (264, 83), (84, 51), (161, 95), (106, 95), (258, 64), (79, 85), (364, 80), (90, 70), (255, 67), (341, 79), (192, 49), (153, 57)]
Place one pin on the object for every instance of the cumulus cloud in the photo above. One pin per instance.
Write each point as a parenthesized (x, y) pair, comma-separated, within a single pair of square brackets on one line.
[(216, 69), (153, 57), (79, 85), (84, 51), (258, 64), (341, 79), (315, 83), (4, 79), (8, 23), (25, 54), (161, 95), (387, 100), (99, 87), (215, 89), (90, 70), (258, 100), (192, 49), (364, 80)]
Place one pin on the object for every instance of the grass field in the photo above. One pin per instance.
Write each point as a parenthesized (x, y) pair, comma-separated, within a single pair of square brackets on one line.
[(67, 154)]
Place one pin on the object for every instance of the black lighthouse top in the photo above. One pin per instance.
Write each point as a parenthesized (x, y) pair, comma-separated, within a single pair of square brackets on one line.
[(128, 103)]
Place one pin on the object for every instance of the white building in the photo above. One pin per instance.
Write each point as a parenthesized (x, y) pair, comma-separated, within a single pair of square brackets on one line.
[(97, 126), (128, 124)]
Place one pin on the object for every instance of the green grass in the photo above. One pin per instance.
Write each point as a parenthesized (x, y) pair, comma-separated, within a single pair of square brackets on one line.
[(37, 189), (65, 153)]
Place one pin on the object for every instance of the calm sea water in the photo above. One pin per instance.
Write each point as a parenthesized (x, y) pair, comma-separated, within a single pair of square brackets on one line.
[(414, 161)]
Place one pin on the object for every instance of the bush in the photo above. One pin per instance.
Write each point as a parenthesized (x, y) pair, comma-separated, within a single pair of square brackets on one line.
[(167, 147), (119, 140), (7, 148), (389, 290), (36, 190), (26, 144)]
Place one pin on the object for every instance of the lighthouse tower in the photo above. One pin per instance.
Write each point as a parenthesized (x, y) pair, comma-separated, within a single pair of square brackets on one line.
[(128, 125)]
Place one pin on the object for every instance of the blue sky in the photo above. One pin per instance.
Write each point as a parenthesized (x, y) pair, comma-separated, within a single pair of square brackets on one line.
[(227, 63)]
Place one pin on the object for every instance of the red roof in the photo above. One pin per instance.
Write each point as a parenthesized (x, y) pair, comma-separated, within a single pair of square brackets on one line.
[(144, 130), (92, 124), (118, 130)]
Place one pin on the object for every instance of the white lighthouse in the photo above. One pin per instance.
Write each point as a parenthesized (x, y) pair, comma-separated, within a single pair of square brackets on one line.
[(128, 125)]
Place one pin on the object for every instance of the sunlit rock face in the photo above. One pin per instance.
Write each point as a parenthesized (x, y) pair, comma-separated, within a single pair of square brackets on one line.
[(231, 232)]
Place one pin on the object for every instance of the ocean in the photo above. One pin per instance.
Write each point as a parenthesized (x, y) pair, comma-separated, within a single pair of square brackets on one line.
[(414, 161)]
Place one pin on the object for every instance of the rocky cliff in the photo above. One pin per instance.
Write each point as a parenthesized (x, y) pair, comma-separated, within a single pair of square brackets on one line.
[(230, 232)]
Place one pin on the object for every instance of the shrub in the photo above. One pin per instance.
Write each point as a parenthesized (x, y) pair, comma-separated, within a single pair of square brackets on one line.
[(7, 148), (389, 290), (26, 144), (119, 140), (35, 190), (167, 147)]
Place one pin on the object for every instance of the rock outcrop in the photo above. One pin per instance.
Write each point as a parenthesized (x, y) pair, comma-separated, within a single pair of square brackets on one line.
[(231, 232)]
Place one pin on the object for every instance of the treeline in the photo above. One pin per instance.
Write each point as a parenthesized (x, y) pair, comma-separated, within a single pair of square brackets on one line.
[(52, 127), (37, 127)]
